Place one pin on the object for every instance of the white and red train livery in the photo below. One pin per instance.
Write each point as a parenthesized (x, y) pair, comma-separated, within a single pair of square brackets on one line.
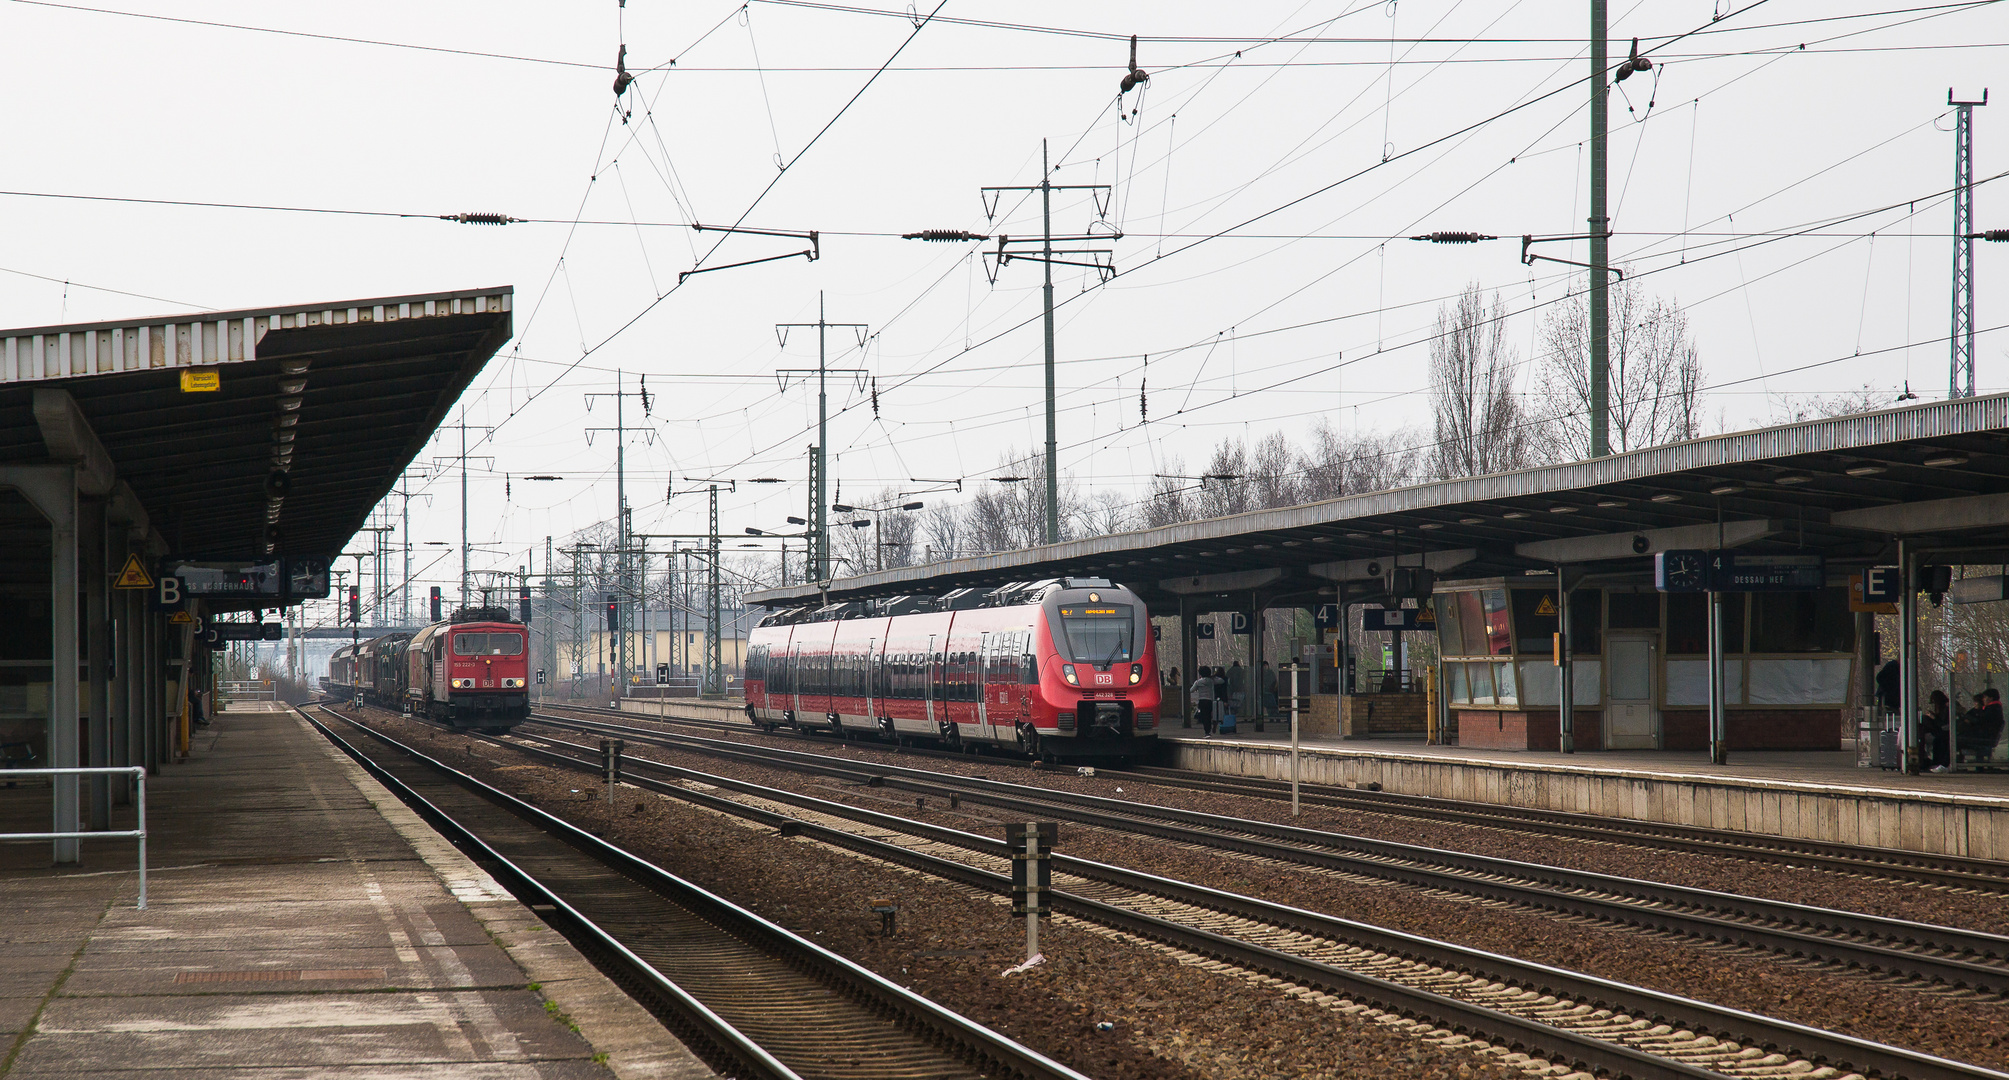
[(1064, 668)]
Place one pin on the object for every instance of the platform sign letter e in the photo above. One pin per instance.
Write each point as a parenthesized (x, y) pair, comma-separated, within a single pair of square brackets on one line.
[(168, 594), (1882, 585)]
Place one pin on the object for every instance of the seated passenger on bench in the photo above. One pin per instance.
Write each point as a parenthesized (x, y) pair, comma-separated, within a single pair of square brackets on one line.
[(1981, 726)]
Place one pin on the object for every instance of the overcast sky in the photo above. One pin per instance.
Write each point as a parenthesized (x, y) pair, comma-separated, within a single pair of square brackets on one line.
[(1262, 188)]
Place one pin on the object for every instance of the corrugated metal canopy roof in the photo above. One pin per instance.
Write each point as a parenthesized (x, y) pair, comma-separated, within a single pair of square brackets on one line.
[(1822, 485), (379, 375)]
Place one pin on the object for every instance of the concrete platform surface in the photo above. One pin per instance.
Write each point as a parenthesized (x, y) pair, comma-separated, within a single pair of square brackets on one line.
[(301, 922), (1810, 795), (1823, 768)]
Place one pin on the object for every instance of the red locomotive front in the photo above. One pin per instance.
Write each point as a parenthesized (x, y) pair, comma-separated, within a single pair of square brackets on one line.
[(472, 671)]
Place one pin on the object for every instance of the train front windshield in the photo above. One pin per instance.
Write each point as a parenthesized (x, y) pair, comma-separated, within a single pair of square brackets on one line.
[(487, 644), (1098, 634)]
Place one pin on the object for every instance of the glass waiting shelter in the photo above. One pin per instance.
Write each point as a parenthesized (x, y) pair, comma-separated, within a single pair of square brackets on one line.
[(1641, 668)]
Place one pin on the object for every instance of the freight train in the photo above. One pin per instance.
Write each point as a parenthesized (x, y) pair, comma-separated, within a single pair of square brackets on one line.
[(469, 671), (1053, 669)]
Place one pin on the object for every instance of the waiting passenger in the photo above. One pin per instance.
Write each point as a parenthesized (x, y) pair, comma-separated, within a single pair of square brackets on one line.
[(1933, 730), (1887, 678), (1229, 698), (1203, 702)]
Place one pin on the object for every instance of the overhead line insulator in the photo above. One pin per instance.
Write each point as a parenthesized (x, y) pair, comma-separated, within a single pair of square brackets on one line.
[(1454, 237), (481, 219), (943, 235)]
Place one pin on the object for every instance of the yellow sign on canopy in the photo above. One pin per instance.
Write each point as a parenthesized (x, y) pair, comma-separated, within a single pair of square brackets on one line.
[(134, 576)]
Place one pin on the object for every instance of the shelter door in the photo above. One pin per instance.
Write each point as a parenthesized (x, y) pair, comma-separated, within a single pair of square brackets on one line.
[(1630, 720)]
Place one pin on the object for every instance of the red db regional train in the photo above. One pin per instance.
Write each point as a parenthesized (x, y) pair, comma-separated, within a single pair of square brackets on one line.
[(1063, 668), (470, 671)]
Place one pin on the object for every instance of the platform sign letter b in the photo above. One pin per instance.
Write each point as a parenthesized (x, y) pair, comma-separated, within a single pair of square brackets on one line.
[(168, 593)]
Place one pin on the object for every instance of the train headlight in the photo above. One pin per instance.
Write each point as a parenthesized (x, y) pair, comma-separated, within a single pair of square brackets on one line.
[(1136, 674), (463, 684), (1067, 672), (509, 684)]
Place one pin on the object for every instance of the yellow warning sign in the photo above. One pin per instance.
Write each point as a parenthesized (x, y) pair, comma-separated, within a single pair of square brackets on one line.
[(181, 618), (134, 576), (197, 381), (1547, 606)]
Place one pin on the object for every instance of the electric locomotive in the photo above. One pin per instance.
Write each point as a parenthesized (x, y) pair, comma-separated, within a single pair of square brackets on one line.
[(470, 671), (1059, 668)]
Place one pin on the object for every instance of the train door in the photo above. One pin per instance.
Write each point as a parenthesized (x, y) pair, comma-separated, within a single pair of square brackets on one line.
[(868, 672), (986, 653), (928, 669), (795, 681)]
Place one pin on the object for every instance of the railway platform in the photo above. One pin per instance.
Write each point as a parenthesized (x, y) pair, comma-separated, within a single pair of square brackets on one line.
[(300, 922), (1807, 795)]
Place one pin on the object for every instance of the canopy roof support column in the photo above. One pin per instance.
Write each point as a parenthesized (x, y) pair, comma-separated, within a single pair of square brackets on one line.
[(52, 489), (1907, 655), (1566, 716), (1189, 657), (1719, 747), (97, 621)]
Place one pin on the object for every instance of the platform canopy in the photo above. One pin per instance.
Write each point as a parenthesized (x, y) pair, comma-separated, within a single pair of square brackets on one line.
[(337, 398), (1842, 487)]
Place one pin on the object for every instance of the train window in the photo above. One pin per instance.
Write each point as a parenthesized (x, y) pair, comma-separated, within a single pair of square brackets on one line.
[(499, 644), (1099, 634)]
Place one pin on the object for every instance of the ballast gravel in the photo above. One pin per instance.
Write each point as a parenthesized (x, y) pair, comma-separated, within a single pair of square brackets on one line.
[(1167, 1016), (1953, 1024)]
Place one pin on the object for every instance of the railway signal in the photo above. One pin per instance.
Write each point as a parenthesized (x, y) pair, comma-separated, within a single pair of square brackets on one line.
[(355, 605), (1032, 845), (610, 764), (435, 604)]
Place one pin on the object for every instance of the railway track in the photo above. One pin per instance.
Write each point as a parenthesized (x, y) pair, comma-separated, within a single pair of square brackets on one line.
[(1889, 864), (1563, 1016), (747, 995), (1949, 956)]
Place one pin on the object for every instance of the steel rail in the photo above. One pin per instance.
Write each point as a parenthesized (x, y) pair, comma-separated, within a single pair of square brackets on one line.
[(1606, 897), (1815, 1044), (1888, 863), (989, 1050)]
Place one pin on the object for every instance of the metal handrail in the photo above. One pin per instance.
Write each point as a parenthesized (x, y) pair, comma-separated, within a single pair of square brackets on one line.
[(138, 772)]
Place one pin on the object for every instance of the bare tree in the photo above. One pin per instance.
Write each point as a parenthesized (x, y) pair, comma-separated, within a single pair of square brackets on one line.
[(1479, 422), (1226, 491), (1103, 513), (942, 524), (1865, 398), (1171, 500), (1274, 472), (1007, 516), (890, 544), (1654, 375), (1377, 462)]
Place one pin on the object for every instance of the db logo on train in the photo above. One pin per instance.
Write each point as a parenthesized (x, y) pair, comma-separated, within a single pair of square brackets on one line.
[(1104, 678)]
